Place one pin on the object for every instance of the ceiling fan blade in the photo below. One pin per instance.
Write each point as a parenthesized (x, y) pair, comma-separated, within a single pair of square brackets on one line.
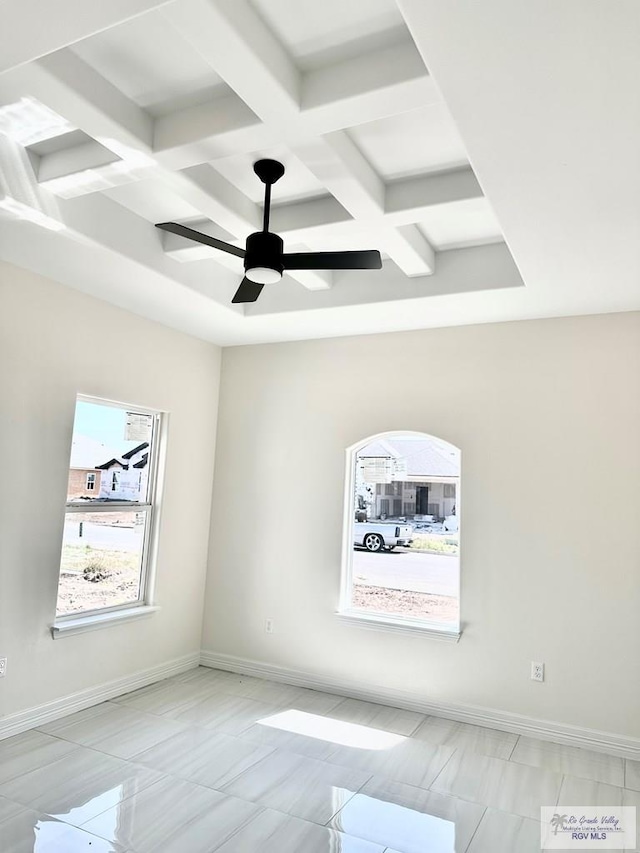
[(248, 291), (365, 260), (190, 234)]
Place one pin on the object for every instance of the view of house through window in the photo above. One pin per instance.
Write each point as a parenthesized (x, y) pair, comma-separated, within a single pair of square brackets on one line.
[(403, 516), (109, 508)]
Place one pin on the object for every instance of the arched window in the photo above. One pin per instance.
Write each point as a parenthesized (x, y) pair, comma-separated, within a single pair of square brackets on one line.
[(401, 567)]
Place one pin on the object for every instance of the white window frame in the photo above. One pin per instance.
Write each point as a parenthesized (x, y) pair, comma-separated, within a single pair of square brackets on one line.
[(75, 623), (90, 485), (374, 621)]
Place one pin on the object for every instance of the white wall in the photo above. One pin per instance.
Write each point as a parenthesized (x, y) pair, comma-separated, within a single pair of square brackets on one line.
[(49, 352), (529, 404)]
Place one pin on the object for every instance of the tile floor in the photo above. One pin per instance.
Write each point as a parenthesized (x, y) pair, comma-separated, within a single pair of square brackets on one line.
[(213, 761)]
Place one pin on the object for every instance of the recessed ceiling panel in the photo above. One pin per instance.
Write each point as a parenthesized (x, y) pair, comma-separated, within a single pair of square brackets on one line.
[(151, 63), (316, 34), (297, 183), (468, 223), (153, 200), (412, 143)]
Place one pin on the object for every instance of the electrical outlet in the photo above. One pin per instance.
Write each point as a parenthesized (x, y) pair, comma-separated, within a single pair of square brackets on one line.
[(3, 667), (537, 671), (268, 626)]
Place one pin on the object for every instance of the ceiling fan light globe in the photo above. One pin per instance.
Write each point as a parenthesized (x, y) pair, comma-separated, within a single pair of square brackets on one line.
[(263, 275)]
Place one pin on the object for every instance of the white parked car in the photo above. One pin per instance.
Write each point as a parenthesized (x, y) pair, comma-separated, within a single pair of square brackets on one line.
[(374, 536)]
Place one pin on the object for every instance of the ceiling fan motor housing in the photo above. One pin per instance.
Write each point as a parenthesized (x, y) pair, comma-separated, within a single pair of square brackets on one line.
[(264, 249)]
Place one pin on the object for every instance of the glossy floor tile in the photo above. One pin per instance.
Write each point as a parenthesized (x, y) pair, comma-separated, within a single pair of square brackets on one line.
[(25, 752), (586, 792), (79, 786), (168, 695), (114, 729), (9, 809), (410, 761), (465, 737), (260, 690), (30, 832), (274, 832), (207, 758), (173, 816), (409, 819), (230, 714), (211, 761), (506, 833), (272, 735), (378, 716), (299, 786), (503, 785), (570, 760)]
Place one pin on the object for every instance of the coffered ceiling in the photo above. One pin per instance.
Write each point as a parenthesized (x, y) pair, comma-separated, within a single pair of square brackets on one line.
[(428, 129)]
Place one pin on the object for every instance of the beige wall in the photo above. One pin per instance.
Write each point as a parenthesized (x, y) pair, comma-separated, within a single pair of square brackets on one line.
[(48, 355), (529, 404)]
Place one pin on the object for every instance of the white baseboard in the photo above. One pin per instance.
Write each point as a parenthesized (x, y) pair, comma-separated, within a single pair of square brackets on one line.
[(612, 744), (13, 724)]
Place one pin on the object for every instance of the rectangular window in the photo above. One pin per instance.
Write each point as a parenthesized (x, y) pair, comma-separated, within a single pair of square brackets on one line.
[(105, 550), (449, 490)]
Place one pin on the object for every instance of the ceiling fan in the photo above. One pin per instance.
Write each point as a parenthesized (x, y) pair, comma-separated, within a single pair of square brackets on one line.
[(264, 258)]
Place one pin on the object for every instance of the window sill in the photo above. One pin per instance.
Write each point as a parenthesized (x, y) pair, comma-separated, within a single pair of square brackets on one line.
[(80, 624), (399, 626)]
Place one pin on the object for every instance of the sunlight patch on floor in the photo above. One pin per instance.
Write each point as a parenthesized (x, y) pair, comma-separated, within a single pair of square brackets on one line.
[(333, 731)]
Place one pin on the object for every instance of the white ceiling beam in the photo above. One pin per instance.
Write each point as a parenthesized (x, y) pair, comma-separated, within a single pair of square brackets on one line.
[(264, 77), (217, 198), (184, 250), (409, 249), (21, 197), (460, 271), (375, 85), (71, 88), (218, 128), (393, 230), (338, 163), (406, 200), (68, 161), (299, 218), (96, 221), (234, 40), (30, 29)]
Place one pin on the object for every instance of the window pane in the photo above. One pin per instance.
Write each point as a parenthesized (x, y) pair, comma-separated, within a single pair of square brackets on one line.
[(405, 557), (101, 560), (110, 454)]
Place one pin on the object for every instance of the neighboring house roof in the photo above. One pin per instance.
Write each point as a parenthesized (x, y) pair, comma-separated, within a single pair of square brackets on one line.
[(88, 453), (135, 450), (425, 457), (142, 462), (106, 465)]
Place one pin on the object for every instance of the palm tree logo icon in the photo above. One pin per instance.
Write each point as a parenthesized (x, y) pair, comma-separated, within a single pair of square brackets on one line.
[(557, 821)]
